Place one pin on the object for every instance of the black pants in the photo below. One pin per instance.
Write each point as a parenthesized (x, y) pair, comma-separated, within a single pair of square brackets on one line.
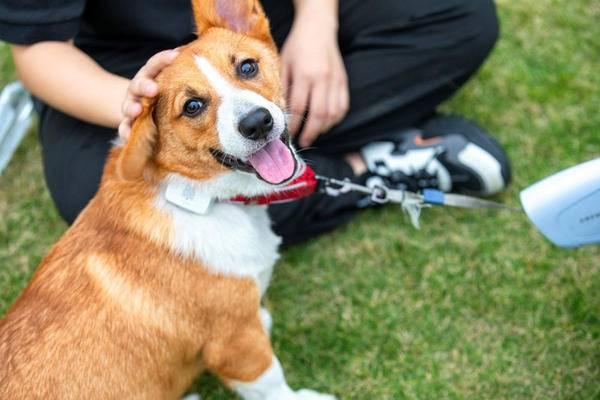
[(403, 59)]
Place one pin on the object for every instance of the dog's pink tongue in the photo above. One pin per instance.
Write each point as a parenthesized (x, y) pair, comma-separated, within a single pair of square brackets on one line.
[(274, 162)]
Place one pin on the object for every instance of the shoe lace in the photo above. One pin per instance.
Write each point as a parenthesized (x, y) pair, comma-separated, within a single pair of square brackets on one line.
[(418, 178)]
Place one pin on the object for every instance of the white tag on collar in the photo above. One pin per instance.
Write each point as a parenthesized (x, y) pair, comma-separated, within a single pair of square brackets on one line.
[(188, 197)]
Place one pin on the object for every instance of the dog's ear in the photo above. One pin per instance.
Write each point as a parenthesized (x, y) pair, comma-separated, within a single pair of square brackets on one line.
[(139, 146), (242, 16)]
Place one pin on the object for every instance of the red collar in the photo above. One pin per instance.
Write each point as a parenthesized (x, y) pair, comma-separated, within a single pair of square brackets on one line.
[(303, 186)]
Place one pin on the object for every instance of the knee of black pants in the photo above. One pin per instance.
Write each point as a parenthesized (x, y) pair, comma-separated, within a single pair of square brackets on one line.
[(458, 33), (454, 38), (485, 19)]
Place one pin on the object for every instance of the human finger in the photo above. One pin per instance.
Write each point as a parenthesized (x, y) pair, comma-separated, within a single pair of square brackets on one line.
[(299, 97), (157, 63), (317, 114)]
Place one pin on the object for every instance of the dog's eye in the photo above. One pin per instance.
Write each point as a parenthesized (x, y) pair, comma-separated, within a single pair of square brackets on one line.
[(193, 107), (247, 69)]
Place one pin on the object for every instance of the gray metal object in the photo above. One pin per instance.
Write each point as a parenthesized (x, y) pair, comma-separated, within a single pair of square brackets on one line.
[(16, 115)]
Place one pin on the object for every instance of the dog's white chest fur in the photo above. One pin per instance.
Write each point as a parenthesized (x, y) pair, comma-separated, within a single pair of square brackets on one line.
[(230, 239)]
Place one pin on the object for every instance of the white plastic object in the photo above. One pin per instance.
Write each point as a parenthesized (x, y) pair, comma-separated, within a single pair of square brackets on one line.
[(565, 206), (16, 111)]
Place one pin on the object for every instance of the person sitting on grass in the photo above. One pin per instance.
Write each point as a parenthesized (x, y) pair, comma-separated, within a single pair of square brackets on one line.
[(363, 80)]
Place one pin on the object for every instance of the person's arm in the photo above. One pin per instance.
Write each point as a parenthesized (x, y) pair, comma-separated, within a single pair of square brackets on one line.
[(66, 78), (313, 69)]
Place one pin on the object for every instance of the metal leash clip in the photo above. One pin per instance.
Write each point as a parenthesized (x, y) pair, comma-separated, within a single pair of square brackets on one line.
[(334, 187), (411, 202)]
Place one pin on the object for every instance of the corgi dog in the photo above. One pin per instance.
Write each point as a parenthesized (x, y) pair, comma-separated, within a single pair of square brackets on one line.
[(161, 277)]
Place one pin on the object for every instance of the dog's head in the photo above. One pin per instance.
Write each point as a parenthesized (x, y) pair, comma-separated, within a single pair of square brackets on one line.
[(219, 116)]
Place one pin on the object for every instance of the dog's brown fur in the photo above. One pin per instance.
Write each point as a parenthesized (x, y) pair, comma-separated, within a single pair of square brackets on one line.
[(112, 312)]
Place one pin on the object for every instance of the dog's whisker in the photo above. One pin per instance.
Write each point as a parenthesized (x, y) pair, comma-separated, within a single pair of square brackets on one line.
[(306, 149)]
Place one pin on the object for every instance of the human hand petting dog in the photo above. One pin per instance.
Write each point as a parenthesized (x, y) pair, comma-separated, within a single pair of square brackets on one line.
[(313, 71), (143, 85)]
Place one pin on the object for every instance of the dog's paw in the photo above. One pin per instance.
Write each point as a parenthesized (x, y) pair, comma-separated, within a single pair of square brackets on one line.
[(307, 394)]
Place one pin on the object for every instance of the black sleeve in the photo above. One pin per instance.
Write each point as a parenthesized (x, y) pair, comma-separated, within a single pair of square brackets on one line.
[(31, 21)]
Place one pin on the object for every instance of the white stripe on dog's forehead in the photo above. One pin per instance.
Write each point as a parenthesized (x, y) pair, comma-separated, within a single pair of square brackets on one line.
[(218, 82), (235, 103)]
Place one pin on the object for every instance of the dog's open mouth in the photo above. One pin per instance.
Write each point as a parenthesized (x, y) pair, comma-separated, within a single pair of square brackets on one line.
[(274, 163)]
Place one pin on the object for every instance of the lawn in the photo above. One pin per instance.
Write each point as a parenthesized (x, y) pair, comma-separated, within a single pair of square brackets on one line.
[(476, 304)]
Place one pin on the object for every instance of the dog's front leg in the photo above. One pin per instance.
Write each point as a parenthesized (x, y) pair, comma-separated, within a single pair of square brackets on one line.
[(245, 361)]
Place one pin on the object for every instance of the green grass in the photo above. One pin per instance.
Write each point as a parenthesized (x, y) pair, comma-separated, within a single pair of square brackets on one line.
[(475, 305)]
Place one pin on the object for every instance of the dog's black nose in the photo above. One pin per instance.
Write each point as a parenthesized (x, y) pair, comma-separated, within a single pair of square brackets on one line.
[(257, 124)]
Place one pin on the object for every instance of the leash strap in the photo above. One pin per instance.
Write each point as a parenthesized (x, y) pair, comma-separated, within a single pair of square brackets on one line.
[(437, 197), (412, 203)]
